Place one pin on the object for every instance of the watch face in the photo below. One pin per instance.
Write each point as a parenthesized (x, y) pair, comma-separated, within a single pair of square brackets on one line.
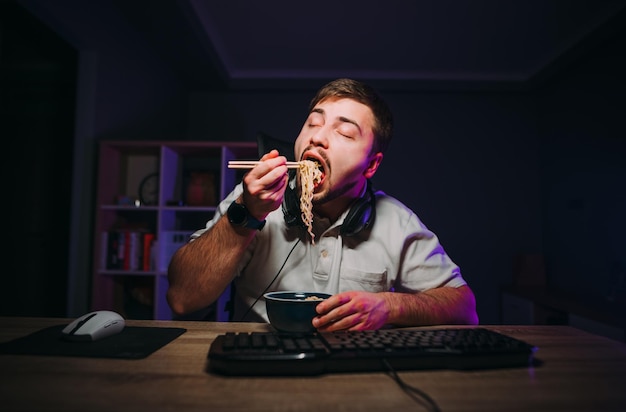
[(237, 214), (149, 190)]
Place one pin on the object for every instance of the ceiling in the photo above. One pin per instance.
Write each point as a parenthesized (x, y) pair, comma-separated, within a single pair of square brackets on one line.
[(393, 44)]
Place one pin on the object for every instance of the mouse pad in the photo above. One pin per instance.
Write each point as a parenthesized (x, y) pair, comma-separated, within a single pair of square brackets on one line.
[(132, 342)]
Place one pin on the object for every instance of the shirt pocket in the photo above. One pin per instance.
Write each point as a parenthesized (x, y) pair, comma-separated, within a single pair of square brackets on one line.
[(354, 279)]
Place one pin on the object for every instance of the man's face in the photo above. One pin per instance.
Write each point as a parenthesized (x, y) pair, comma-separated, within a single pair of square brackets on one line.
[(339, 135)]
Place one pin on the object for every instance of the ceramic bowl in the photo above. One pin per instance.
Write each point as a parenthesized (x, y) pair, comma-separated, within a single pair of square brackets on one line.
[(291, 311)]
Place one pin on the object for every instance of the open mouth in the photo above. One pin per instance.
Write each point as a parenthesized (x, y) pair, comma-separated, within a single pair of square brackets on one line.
[(320, 167)]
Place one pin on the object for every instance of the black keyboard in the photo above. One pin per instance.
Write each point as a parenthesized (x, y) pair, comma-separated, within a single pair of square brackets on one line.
[(272, 353)]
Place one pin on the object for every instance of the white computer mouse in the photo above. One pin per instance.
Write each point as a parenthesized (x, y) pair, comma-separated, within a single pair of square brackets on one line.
[(94, 326)]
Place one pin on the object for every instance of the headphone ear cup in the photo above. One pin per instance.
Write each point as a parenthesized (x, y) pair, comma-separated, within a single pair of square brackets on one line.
[(291, 206), (361, 215), (357, 219)]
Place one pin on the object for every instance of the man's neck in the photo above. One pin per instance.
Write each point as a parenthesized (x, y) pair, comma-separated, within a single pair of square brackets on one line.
[(333, 209)]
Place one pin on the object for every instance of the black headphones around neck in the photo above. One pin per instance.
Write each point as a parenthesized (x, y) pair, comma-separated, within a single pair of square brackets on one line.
[(361, 214)]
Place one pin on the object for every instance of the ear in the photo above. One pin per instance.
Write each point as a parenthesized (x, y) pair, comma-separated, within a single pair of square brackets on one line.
[(372, 167)]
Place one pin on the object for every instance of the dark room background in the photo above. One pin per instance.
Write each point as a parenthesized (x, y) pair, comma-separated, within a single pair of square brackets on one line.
[(37, 93), (496, 174)]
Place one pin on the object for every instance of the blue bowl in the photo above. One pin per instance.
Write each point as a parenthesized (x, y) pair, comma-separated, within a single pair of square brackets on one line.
[(293, 312)]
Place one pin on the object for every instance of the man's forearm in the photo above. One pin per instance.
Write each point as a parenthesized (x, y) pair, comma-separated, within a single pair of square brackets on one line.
[(200, 270), (440, 306)]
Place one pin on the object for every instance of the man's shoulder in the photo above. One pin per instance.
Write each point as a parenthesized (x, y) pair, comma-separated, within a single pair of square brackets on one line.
[(383, 200), (394, 212)]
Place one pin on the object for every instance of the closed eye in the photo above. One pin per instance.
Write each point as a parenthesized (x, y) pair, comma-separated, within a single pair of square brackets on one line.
[(348, 131), (316, 119), (349, 128)]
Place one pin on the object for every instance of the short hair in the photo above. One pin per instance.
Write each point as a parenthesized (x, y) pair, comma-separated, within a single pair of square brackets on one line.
[(362, 93)]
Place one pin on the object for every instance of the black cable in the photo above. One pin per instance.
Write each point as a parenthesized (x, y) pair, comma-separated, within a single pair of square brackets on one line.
[(415, 393), (270, 284)]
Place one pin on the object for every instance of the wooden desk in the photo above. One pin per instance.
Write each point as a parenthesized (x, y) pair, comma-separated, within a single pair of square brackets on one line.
[(581, 372)]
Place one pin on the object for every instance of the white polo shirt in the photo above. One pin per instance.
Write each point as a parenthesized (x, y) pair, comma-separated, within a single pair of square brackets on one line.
[(398, 253)]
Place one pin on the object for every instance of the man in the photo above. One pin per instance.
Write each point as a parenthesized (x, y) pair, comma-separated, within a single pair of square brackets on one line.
[(372, 253)]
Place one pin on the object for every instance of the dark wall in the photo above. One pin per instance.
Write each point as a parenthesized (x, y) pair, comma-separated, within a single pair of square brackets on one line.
[(126, 92), (582, 115), (37, 89)]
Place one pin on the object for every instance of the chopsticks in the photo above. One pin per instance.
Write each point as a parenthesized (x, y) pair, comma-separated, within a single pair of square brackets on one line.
[(249, 164)]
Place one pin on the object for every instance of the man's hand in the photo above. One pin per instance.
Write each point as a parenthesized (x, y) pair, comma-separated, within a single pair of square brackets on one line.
[(264, 185), (354, 310)]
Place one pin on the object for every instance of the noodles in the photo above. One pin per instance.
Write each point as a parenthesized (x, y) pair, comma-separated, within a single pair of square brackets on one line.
[(309, 176)]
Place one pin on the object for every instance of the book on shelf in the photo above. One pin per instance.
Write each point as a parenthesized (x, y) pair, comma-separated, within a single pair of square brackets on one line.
[(147, 256), (129, 250)]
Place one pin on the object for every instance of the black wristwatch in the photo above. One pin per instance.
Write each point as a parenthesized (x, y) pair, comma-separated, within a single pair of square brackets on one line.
[(238, 215)]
